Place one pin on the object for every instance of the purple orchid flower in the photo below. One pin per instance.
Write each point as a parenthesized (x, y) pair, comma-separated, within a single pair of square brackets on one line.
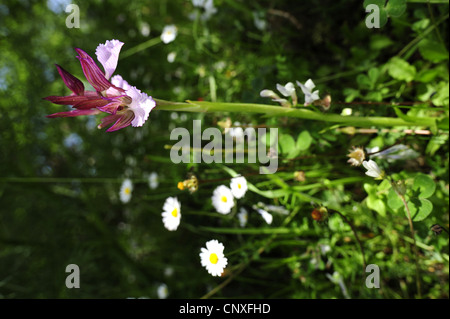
[(125, 104)]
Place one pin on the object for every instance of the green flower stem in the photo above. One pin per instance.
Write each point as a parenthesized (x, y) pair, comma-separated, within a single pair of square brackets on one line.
[(416, 260), (303, 113), (401, 193), (140, 47)]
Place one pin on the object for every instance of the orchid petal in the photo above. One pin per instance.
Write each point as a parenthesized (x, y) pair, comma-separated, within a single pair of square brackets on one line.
[(108, 55), (92, 72), (74, 84), (119, 82), (74, 113), (141, 105), (124, 120)]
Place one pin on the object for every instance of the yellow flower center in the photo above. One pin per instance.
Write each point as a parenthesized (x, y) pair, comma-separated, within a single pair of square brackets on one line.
[(213, 258), (175, 212), (224, 199), (127, 191), (239, 186)]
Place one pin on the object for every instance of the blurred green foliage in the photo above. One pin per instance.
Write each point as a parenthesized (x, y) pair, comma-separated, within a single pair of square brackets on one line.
[(60, 178)]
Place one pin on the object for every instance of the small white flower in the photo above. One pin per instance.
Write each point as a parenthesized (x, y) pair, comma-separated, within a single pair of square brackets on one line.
[(153, 181), (243, 217), (277, 209), (223, 199), (169, 33), (346, 112), (373, 170), (238, 186), (324, 249), (288, 90), (275, 97), (145, 29), (269, 93), (212, 257), (209, 10), (125, 191), (168, 271), (370, 150), (163, 291), (266, 215), (307, 88), (171, 213), (258, 20), (171, 57)]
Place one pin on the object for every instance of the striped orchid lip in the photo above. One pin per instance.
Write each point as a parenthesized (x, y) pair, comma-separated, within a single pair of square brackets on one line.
[(125, 104)]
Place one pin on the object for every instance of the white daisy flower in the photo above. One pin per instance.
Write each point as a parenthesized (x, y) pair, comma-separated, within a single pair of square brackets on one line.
[(238, 186), (212, 257), (169, 33), (373, 170), (307, 88), (171, 213), (163, 291), (223, 199), (243, 217), (125, 191), (153, 181), (266, 215)]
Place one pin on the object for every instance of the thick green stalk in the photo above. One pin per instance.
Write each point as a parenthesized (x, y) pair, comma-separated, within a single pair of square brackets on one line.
[(302, 113)]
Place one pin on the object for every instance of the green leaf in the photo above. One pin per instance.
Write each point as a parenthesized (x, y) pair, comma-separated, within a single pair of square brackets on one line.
[(373, 73), (377, 205), (426, 76), (379, 42), (399, 69), (370, 189), (423, 186), (433, 51), (419, 208), (395, 8), (304, 141), (393, 200), (441, 97), (363, 81), (435, 144), (287, 143)]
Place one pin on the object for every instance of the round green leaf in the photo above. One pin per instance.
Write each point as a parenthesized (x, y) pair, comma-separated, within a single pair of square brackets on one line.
[(399, 69), (419, 208), (433, 51), (423, 186), (396, 8), (304, 141), (377, 205), (287, 143), (393, 200)]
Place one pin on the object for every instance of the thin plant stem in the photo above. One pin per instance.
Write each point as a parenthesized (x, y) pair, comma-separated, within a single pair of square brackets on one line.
[(416, 260)]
